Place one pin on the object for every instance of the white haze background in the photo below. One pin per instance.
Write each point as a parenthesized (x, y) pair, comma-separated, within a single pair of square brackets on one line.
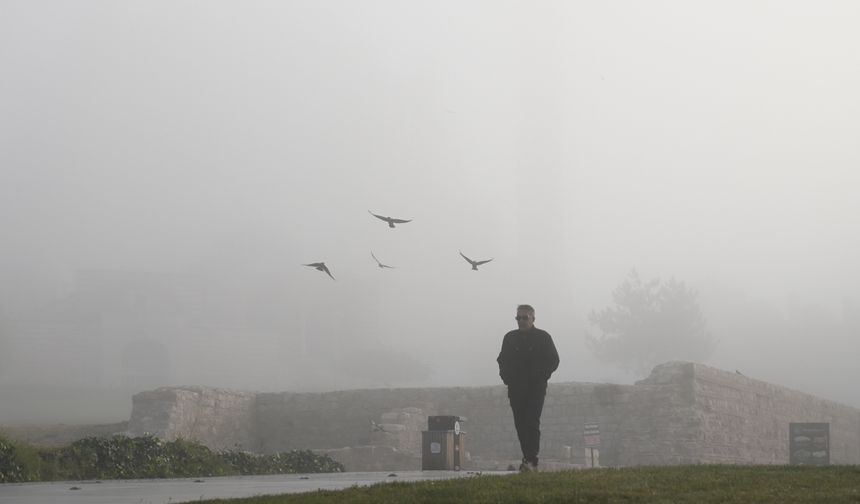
[(212, 148)]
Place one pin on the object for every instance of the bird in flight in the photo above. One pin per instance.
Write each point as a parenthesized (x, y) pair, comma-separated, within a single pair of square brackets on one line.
[(379, 263), (320, 266), (474, 264), (390, 220)]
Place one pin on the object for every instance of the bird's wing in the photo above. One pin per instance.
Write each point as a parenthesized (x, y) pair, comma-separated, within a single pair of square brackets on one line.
[(313, 265), (478, 263), (386, 266), (374, 258), (377, 216), (325, 268), (466, 258), (400, 221)]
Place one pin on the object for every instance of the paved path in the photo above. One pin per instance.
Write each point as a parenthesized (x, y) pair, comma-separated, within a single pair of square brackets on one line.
[(172, 491)]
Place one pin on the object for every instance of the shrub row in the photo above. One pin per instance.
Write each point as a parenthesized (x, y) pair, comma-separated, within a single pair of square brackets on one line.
[(123, 457)]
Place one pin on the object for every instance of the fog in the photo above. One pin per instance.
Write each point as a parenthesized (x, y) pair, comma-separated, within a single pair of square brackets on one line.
[(166, 169)]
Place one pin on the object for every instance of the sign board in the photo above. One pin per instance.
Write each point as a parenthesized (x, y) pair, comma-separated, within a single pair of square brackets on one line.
[(809, 443), (591, 434)]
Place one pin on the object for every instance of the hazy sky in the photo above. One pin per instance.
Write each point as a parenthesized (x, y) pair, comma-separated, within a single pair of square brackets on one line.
[(716, 142)]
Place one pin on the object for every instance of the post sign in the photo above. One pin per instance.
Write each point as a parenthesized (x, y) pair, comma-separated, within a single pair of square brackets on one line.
[(809, 443), (591, 435), (591, 439)]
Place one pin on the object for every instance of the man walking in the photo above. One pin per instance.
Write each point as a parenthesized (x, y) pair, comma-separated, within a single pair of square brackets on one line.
[(527, 360)]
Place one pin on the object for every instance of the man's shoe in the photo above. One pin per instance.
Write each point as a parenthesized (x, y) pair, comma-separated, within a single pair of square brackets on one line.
[(532, 467), (525, 467)]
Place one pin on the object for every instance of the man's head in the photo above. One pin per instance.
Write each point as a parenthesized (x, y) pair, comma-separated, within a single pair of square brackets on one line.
[(525, 317)]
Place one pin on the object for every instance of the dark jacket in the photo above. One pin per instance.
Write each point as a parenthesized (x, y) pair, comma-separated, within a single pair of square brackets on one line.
[(527, 358)]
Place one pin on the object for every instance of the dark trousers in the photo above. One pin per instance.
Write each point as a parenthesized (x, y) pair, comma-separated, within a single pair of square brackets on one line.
[(527, 406)]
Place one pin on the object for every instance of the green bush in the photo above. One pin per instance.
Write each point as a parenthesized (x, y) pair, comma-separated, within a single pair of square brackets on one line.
[(296, 461), (123, 457), (18, 462), (189, 458)]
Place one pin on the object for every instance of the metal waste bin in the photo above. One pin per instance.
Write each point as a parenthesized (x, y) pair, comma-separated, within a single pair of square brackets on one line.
[(443, 423), (442, 450)]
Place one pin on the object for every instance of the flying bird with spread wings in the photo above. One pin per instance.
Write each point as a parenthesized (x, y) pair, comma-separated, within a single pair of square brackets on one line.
[(390, 220), (320, 266), (475, 264), (379, 263)]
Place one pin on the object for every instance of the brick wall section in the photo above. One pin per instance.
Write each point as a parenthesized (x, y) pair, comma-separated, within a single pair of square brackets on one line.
[(652, 422), (339, 419), (218, 418), (401, 429), (746, 420), (682, 413), (660, 424)]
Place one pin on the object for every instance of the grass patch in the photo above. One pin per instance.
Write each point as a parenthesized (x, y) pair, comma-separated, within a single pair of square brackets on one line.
[(666, 484)]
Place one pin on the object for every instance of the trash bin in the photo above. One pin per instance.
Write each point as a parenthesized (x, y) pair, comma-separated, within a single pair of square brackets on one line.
[(442, 450), (443, 423)]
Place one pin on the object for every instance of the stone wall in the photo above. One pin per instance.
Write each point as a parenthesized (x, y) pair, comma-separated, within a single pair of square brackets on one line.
[(218, 418), (682, 413), (746, 421), (640, 424)]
